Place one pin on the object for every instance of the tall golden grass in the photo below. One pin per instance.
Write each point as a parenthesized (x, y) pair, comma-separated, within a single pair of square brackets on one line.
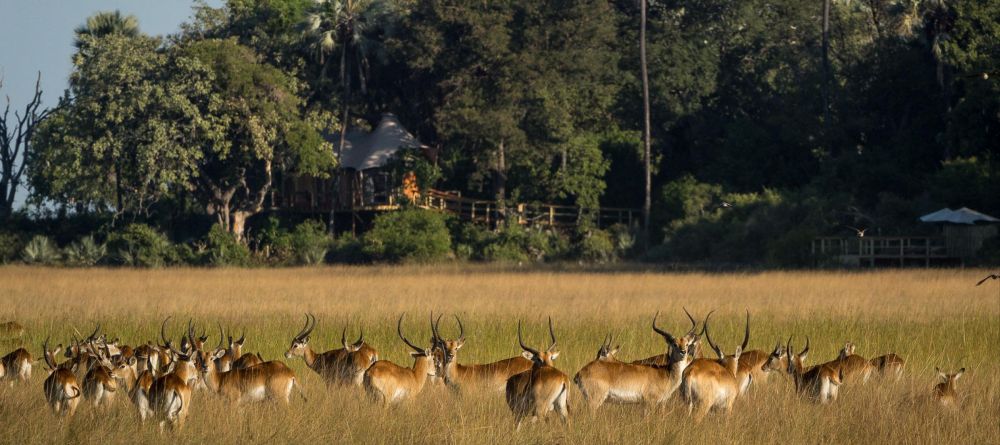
[(930, 317)]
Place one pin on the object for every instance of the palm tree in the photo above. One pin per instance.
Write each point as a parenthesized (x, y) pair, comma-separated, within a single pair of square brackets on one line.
[(350, 25), (104, 24)]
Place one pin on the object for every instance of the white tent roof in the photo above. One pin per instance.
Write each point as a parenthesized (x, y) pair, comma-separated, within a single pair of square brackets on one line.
[(362, 150), (963, 215)]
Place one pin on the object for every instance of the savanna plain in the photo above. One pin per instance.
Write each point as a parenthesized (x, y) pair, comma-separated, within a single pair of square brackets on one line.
[(932, 318)]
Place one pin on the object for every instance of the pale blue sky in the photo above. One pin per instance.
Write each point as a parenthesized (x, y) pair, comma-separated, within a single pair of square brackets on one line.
[(37, 35)]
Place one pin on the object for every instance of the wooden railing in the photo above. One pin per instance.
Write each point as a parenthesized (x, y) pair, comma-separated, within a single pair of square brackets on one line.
[(882, 249), (489, 212)]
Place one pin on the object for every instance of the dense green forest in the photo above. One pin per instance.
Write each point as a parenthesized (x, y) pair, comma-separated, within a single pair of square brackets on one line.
[(766, 131)]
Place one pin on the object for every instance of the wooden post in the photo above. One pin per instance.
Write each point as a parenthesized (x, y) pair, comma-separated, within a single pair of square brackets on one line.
[(552, 216), (472, 213)]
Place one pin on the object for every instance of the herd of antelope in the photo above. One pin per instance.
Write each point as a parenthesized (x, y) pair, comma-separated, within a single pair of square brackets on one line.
[(159, 378)]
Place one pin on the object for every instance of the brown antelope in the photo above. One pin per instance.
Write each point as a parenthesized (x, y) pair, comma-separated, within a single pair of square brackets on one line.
[(61, 389), (542, 389), (345, 366), (167, 397), (820, 383), (266, 381), (16, 366), (247, 360), (751, 363), (852, 366), (889, 365), (233, 352), (182, 362), (944, 392), (10, 330), (102, 381), (389, 383), (712, 383), (689, 341), (491, 375)]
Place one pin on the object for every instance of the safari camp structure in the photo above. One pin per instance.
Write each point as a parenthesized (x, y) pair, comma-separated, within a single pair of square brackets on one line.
[(954, 237), (364, 184)]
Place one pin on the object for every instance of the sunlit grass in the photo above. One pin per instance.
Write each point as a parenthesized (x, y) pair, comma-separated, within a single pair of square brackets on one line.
[(931, 318)]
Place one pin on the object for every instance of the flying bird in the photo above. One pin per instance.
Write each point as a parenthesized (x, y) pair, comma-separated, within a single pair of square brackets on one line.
[(725, 205), (990, 277), (861, 232)]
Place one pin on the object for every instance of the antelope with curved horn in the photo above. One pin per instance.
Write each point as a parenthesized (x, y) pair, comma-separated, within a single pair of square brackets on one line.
[(61, 389), (491, 375), (101, 382), (889, 365), (711, 383), (944, 392), (689, 342), (390, 383), (607, 379), (542, 389), (233, 352), (751, 363), (820, 383), (182, 362), (344, 366), (168, 396)]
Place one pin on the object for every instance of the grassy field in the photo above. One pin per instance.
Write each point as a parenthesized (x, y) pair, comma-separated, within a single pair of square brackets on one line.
[(930, 317)]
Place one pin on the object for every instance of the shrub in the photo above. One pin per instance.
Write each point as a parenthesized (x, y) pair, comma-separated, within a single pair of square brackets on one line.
[(596, 245), (275, 243), (40, 250), (408, 235), (223, 249), (11, 246), (310, 242), (347, 249), (85, 252), (139, 245), (515, 243)]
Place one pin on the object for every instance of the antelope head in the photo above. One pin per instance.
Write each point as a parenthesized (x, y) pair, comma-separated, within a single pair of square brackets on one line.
[(730, 362), (418, 353), (678, 348), (449, 348), (607, 352), (543, 358), (301, 340)]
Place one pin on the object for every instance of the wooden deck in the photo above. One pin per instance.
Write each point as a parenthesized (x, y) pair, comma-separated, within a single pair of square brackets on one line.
[(547, 215), (883, 250)]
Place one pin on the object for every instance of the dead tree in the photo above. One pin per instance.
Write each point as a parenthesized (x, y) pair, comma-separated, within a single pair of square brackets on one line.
[(15, 145)]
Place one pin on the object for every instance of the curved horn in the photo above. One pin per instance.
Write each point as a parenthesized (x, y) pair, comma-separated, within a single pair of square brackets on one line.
[(521, 341), (304, 331), (163, 332), (343, 337), (399, 330), (94, 334), (361, 337), (694, 324), (746, 334), (807, 346), (190, 334), (666, 335), (461, 329), (435, 337), (708, 337), (220, 337), (552, 335), (45, 353), (243, 336)]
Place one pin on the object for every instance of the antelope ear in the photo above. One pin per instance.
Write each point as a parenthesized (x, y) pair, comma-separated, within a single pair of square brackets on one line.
[(416, 354), (959, 374), (553, 355), (803, 355), (527, 355), (219, 354), (459, 344), (739, 350), (614, 351), (132, 361)]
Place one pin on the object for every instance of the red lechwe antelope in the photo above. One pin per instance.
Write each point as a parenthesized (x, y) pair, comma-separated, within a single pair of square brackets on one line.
[(16, 366), (853, 367), (712, 383), (168, 396), (689, 341), (944, 392), (491, 376), (390, 383), (232, 353), (751, 367), (267, 381), (820, 383), (344, 366), (889, 365), (102, 380), (542, 389), (62, 392), (606, 378)]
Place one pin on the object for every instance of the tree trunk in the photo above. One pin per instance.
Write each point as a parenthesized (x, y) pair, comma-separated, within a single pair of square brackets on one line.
[(647, 203), (826, 72), (345, 80), (500, 180)]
